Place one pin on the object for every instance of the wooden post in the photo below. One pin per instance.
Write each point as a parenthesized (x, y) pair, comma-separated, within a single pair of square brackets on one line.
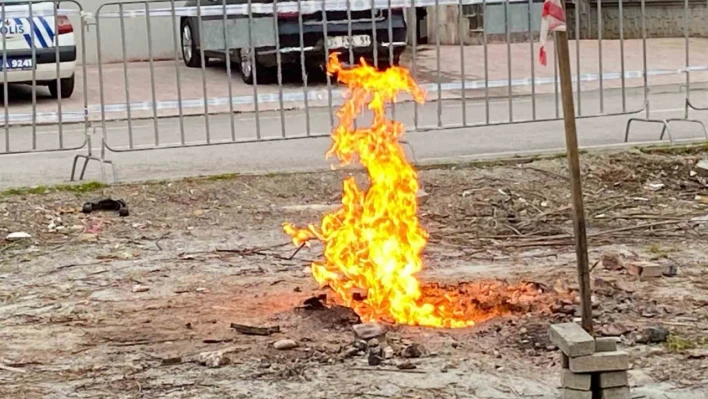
[(571, 142)]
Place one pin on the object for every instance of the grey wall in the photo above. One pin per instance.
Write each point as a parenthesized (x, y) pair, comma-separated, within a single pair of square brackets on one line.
[(518, 18), (662, 20)]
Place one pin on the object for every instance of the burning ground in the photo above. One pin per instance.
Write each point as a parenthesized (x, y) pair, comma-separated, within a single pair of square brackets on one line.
[(100, 306)]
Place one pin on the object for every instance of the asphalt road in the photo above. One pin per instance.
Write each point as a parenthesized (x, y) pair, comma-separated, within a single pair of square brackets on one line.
[(305, 153)]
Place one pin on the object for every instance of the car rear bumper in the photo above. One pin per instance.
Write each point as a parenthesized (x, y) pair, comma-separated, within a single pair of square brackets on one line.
[(44, 73), (44, 55)]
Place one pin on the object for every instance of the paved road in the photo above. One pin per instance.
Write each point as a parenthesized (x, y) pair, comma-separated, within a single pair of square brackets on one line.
[(307, 153)]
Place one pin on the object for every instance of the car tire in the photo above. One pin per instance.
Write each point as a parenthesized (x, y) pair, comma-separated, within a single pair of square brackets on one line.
[(263, 74), (66, 87), (190, 52)]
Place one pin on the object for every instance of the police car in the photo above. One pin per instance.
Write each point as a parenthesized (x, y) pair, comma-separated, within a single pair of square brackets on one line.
[(44, 34)]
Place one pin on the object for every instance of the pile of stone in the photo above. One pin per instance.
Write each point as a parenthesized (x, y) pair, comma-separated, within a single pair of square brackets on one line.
[(590, 365)]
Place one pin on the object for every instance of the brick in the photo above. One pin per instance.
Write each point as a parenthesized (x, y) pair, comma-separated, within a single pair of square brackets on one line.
[(605, 344), (616, 393), (576, 394), (572, 339), (572, 380), (603, 361), (613, 379), (645, 269)]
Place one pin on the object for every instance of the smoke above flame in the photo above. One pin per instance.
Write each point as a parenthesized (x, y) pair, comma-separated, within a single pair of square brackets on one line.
[(374, 241)]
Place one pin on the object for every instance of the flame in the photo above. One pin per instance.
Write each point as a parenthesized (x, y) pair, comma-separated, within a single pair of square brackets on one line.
[(374, 241)]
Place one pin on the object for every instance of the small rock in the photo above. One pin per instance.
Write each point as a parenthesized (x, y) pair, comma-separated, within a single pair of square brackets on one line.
[(655, 335), (388, 352), (413, 351), (18, 236), (422, 196), (614, 330), (351, 352), (523, 330), (627, 286), (88, 237), (698, 354), (368, 331), (360, 345), (285, 344), (670, 271), (612, 261), (140, 288), (701, 168), (376, 356), (213, 359), (406, 366)]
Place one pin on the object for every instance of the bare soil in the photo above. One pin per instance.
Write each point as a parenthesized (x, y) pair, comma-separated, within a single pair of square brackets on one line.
[(97, 306)]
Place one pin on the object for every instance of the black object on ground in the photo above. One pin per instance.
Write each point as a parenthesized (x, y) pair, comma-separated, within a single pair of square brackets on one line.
[(106, 204)]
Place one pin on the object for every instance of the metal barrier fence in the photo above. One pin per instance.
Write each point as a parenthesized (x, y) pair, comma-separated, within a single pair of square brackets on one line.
[(166, 74)]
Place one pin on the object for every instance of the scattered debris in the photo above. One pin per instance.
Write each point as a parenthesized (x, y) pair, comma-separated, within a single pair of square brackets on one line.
[(670, 270), (88, 237), (701, 168), (19, 236), (614, 330), (315, 303), (653, 335), (213, 359), (285, 344), (376, 356), (697, 353), (413, 351), (406, 365), (612, 261), (140, 288), (106, 204), (368, 331), (422, 196), (251, 330), (388, 352), (645, 269)]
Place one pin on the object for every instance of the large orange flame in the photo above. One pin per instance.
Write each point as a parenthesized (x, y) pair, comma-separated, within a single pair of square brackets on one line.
[(373, 242)]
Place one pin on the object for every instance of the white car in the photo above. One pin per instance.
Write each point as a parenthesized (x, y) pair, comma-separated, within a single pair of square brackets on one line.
[(18, 34)]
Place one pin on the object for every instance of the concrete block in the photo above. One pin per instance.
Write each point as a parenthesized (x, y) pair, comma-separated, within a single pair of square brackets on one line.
[(616, 393), (576, 394), (613, 379), (580, 382), (645, 269), (565, 361), (572, 339), (605, 344), (603, 361)]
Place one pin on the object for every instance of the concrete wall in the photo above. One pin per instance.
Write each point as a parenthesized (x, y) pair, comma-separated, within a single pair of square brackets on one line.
[(663, 19), (136, 37), (494, 24)]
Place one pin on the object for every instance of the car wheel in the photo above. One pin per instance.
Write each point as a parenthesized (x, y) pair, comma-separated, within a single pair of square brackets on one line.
[(190, 52), (66, 87)]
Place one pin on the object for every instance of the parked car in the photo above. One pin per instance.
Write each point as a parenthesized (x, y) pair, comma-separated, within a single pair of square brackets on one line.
[(361, 40), (18, 48)]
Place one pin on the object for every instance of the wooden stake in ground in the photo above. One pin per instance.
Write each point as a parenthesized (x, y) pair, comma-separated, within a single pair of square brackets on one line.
[(571, 142)]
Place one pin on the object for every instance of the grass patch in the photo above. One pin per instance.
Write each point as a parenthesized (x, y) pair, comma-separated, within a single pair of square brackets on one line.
[(66, 188), (679, 344), (660, 253), (688, 149)]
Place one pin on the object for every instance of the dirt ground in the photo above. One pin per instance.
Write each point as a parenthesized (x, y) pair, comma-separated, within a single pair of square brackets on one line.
[(97, 306)]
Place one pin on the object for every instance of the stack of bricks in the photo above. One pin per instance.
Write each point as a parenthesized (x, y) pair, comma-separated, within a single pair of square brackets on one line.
[(592, 368)]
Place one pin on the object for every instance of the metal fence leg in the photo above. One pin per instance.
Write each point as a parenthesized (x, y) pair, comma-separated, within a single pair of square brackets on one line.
[(664, 130), (102, 161)]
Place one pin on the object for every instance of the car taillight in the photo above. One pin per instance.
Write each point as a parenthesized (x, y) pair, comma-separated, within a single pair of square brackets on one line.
[(289, 14), (63, 25)]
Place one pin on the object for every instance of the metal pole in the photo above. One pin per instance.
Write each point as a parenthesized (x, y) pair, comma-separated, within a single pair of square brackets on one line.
[(571, 142)]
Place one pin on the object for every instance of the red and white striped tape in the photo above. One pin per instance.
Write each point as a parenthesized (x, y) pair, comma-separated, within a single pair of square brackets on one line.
[(552, 20)]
